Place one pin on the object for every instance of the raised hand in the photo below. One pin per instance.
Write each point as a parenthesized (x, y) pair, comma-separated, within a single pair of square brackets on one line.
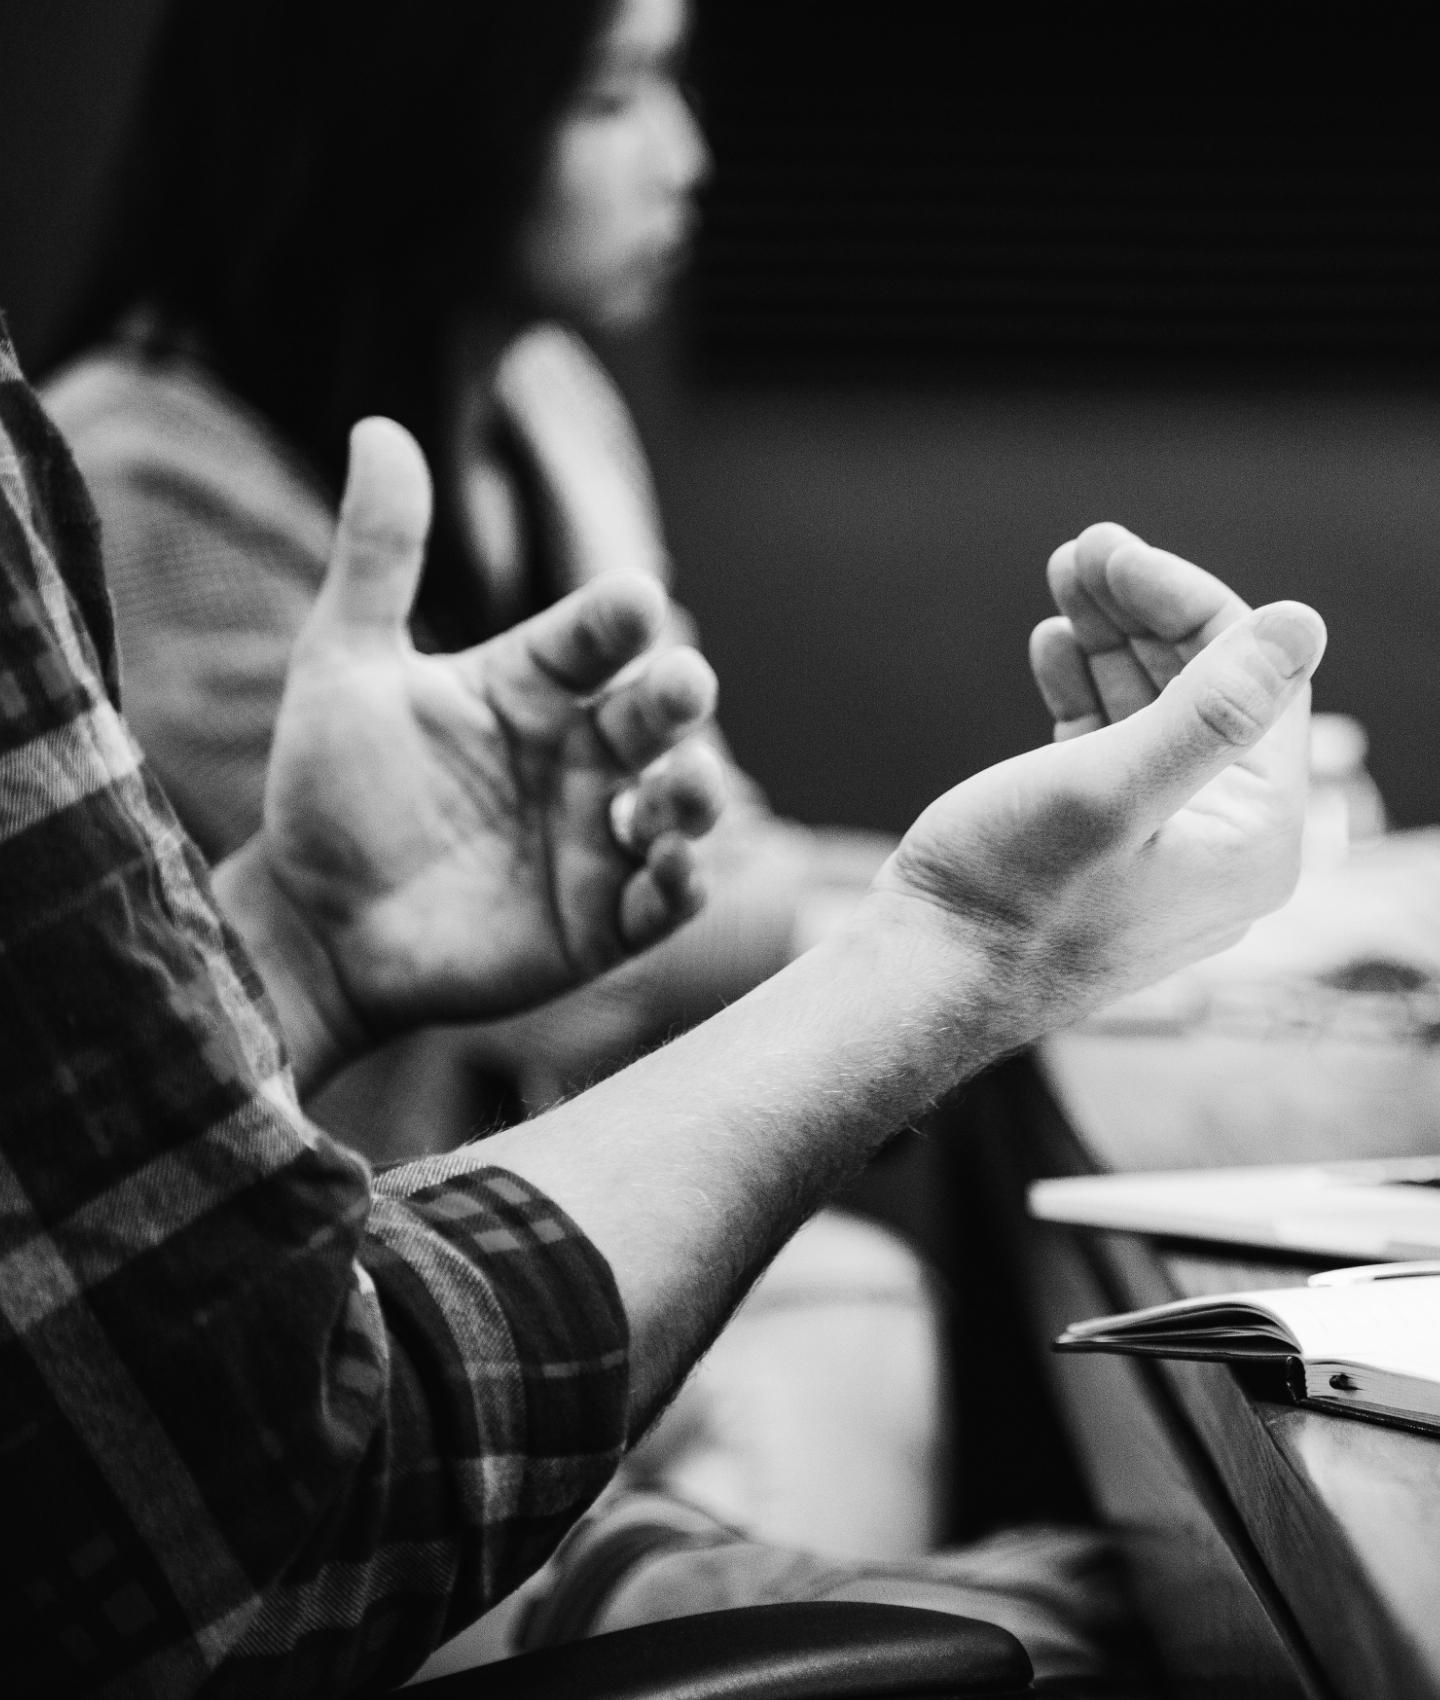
[(1130, 617), (1166, 817), (462, 836)]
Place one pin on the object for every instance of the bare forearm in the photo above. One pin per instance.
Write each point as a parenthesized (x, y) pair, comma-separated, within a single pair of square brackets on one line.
[(690, 1168), (775, 890)]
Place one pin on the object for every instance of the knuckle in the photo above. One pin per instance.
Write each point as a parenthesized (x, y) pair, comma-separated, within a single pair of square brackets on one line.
[(1232, 713)]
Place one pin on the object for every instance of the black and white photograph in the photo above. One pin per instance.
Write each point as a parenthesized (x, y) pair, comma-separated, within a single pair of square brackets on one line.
[(719, 850)]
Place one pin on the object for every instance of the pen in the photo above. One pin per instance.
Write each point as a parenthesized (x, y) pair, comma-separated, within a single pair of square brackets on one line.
[(1360, 1273)]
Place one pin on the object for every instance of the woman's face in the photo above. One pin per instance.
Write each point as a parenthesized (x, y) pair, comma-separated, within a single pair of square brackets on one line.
[(615, 209)]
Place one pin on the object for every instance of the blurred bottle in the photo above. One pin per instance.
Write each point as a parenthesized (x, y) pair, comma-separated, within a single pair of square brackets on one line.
[(1345, 807)]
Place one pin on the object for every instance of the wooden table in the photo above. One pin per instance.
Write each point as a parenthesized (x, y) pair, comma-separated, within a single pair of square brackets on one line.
[(1273, 1551)]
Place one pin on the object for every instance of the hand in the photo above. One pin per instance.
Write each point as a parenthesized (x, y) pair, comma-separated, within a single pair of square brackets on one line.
[(1166, 817), (1019, 900), (439, 830)]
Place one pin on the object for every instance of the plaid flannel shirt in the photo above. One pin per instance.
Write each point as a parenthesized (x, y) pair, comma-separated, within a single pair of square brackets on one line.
[(266, 1427)]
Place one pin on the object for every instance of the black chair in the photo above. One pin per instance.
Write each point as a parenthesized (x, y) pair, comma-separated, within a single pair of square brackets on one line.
[(824, 1650)]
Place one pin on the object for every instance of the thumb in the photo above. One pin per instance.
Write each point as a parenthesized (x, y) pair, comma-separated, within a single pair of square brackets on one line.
[(379, 545), (1212, 713)]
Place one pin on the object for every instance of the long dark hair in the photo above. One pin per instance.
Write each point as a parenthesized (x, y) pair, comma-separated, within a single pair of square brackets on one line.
[(316, 188)]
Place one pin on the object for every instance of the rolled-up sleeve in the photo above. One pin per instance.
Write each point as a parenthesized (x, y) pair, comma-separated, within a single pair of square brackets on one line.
[(267, 1426)]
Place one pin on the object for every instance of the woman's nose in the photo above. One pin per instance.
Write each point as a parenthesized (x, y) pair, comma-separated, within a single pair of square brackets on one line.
[(687, 160)]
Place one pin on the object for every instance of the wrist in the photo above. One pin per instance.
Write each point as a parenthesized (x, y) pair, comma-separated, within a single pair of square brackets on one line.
[(966, 989), (319, 1027)]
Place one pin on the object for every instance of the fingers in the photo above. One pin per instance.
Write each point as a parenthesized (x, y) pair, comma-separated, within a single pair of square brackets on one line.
[(663, 699), (1158, 595), (1219, 708), (667, 891), (684, 794), (379, 545), (584, 640), (1137, 613), (1080, 594), (678, 799), (593, 644), (1059, 665), (1121, 681)]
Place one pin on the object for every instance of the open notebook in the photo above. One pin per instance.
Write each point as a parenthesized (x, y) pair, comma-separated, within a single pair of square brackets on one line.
[(1364, 1342), (1376, 1210)]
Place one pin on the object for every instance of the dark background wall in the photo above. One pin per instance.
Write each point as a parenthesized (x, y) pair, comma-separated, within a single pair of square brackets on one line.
[(68, 71), (968, 283), (866, 567), (975, 276)]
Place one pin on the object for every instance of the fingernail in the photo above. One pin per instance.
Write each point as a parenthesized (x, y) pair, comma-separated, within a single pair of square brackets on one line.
[(622, 820), (1292, 636)]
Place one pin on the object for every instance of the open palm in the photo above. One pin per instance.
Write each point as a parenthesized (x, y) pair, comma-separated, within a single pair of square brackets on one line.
[(443, 824)]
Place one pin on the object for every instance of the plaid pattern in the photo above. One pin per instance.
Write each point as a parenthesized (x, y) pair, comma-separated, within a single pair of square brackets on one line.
[(265, 1428)]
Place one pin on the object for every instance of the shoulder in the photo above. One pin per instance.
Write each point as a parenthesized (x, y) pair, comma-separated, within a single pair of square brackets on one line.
[(151, 434), (577, 427), (550, 366)]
